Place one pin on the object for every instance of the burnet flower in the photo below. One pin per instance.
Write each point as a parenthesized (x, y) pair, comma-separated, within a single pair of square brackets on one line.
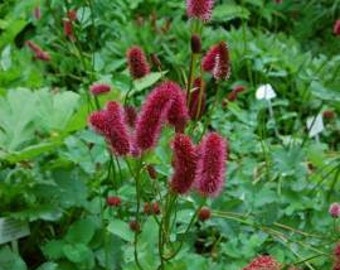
[(217, 62), (211, 165), (165, 103), (137, 63), (200, 9), (99, 88), (185, 163)]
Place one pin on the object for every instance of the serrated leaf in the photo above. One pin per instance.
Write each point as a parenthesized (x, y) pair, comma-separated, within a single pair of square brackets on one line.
[(121, 229)]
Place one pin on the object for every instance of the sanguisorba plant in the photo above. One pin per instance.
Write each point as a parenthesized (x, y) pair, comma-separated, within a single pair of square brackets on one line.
[(199, 165)]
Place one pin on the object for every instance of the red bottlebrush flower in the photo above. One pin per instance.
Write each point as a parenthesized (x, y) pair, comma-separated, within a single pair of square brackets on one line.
[(328, 114), (99, 88), (155, 208), (151, 171), (131, 115), (113, 201), (200, 9), (134, 226), (72, 15), (278, 1), (216, 61), (336, 28), (178, 114), (147, 208), (118, 138), (68, 29), (98, 121), (204, 214), (334, 210), (185, 161), (336, 252), (38, 52), (137, 63), (263, 263), (195, 44), (153, 114), (211, 165), (194, 111)]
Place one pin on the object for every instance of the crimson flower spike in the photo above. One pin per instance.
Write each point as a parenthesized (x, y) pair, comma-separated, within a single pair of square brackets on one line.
[(185, 161), (211, 165), (217, 61), (178, 114), (263, 262), (110, 123), (200, 9), (153, 114), (38, 52), (138, 65)]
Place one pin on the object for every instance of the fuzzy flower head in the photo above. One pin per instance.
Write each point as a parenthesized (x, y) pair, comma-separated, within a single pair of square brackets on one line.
[(334, 210), (200, 9), (111, 124), (185, 160), (138, 65), (217, 61), (263, 263), (211, 165), (99, 88), (154, 114)]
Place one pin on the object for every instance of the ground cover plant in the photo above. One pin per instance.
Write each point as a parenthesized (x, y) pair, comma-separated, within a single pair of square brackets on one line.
[(175, 134)]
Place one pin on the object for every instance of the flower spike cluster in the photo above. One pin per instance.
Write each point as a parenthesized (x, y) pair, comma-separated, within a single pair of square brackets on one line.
[(165, 102), (216, 61), (38, 52), (202, 167), (200, 9)]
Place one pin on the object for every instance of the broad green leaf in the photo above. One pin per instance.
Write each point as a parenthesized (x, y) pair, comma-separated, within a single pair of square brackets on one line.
[(10, 261), (17, 113), (121, 229), (54, 249), (77, 253), (48, 266), (81, 231)]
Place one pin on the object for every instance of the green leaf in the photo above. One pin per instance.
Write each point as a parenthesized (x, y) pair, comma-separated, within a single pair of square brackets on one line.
[(55, 111), (48, 266), (147, 81), (81, 231), (10, 260), (17, 113), (77, 253), (323, 93), (227, 12), (121, 229), (54, 249)]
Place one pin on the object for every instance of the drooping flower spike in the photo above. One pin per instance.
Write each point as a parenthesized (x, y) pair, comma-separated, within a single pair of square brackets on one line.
[(111, 124), (99, 88), (137, 63), (217, 61), (38, 52), (211, 165), (185, 162), (200, 9), (165, 102)]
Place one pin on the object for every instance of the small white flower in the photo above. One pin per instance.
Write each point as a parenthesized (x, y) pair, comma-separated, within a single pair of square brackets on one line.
[(265, 91), (315, 125)]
